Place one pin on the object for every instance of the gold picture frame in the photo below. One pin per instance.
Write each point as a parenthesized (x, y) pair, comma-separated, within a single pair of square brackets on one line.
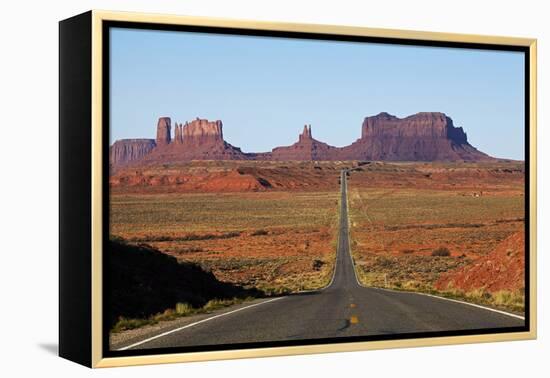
[(90, 329)]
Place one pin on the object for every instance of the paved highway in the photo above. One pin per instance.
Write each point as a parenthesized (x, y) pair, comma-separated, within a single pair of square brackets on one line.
[(344, 308)]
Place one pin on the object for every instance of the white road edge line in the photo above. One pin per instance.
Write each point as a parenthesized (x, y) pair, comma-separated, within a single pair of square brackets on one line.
[(335, 263), (349, 246), (418, 293), (196, 323), (337, 252), (454, 300), (333, 270)]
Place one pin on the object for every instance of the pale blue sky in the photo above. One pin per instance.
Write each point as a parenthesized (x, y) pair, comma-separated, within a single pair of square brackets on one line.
[(265, 89)]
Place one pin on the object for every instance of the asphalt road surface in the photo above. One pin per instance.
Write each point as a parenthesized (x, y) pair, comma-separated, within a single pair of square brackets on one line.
[(342, 309)]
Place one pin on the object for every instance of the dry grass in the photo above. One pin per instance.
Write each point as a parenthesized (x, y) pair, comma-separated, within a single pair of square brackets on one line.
[(388, 222), (181, 310), (180, 214), (503, 299), (405, 237), (270, 241)]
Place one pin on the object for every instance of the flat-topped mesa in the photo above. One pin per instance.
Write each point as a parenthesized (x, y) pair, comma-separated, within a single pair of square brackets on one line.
[(201, 131), (164, 127), (427, 136), (126, 150), (420, 125)]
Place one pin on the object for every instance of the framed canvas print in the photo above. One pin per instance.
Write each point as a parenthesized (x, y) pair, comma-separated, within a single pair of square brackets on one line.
[(235, 189)]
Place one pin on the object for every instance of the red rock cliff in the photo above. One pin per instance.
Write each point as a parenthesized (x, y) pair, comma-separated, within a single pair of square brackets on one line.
[(202, 132), (306, 148), (178, 135), (199, 139), (428, 136), (126, 150), (420, 125), (164, 131), (420, 137)]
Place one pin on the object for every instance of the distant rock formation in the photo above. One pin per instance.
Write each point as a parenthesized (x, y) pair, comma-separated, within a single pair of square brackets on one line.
[(199, 139), (427, 136), (126, 150), (164, 127), (306, 134), (420, 137), (178, 137), (202, 132), (419, 125), (306, 148)]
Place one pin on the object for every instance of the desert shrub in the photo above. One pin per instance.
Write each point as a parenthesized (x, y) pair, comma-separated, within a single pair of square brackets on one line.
[(478, 294), (189, 250), (509, 299), (232, 234), (192, 237), (123, 324), (318, 264), (168, 314), (412, 285), (188, 237), (441, 251), (215, 304), (183, 308), (260, 233), (384, 262)]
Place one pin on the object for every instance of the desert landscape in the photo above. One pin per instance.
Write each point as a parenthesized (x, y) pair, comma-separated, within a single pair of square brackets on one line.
[(427, 213), (264, 240), (454, 229)]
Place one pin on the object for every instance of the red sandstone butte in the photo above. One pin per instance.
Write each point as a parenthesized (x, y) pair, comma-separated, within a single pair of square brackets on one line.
[(200, 140), (420, 137), (427, 136), (164, 131), (306, 148), (126, 150)]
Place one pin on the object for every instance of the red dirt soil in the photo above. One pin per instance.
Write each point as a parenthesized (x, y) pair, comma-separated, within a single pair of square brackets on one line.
[(240, 176), (226, 177), (501, 269)]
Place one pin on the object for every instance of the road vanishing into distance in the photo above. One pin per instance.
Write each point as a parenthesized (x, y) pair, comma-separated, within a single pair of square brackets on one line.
[(343, 309)]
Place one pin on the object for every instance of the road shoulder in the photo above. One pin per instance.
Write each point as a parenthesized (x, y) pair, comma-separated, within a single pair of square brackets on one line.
[(126, 338)]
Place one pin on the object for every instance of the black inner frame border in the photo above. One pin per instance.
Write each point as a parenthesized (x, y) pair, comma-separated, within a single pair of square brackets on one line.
[(107, 25)]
